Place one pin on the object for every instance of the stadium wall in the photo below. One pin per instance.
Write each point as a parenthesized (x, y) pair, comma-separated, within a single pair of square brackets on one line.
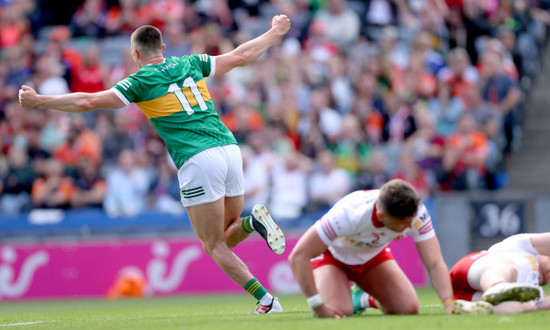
[(168, 266)]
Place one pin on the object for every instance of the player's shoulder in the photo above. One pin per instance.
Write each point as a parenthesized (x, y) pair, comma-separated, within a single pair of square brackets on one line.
[(422, 213)]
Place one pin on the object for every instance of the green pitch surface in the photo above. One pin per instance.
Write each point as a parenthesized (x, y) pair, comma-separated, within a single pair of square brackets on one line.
[(230, 312)]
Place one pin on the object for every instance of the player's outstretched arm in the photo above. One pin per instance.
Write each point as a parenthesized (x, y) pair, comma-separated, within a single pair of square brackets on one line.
[(430, 253), (72, 102), (251, 50)]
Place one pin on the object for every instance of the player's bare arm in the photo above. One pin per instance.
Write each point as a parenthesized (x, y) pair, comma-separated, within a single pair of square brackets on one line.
[(430, 253), (72, 102), (251, 50), (541, 243), (310, 245)]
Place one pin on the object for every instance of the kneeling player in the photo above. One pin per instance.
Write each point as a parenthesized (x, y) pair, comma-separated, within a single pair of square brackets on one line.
[(507, 278), (350, 243)]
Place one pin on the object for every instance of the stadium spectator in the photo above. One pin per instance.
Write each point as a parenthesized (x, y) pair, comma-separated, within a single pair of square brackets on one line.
[(48, 77), (256, 178), (465, 156), (177, 41), (289, 194), (81, 141), (328, 183), (125, 17), (502, 93), (126, 187), (90, 188), (54, 189), (165, 189), (349, 243), (16, 183), (373, 172), (92, 75), (89, 19), (13, 25), (507, 278), (410, 171)]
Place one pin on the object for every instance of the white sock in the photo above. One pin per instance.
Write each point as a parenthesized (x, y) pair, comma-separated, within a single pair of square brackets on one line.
[(266, 299), (367, 301)]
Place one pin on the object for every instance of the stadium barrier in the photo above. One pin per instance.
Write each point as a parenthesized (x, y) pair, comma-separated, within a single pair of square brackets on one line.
[(70, 269)]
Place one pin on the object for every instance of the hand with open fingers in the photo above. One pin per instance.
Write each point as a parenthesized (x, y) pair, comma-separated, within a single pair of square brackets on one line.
[(28, 97), (327, 311), (281, 23)]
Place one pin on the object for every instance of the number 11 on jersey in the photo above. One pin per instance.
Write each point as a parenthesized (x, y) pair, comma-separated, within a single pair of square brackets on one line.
[(189, 83)]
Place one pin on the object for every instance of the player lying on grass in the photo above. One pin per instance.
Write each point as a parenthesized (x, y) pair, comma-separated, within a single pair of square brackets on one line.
[(172, 93), (350, 243), (507, 278)]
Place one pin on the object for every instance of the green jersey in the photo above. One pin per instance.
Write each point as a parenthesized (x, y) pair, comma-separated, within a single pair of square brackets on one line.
[(174, 96)]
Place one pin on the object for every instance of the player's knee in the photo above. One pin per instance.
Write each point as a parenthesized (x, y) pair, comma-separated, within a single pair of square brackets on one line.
[(403, 308), (212, 246)]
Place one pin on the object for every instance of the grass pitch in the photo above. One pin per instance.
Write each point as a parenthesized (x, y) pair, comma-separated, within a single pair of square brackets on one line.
[(230, 312)]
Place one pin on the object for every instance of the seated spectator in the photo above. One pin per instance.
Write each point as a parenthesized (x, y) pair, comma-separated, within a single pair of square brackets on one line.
[(373, 172), (328, 183), (81, 141), (16, 184), (453, 80), (427, 146), (341, 24), (117, 139), (409, 170), (256, 178), (125, 17), (13, 26), (55, 189), (465, 156), (165, 189), (89, 19), (126, 188), (92, 75), (90, 188), (502, 93), (289, 185)]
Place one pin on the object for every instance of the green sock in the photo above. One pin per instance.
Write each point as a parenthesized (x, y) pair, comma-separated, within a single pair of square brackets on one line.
[(247, 225), (255, 288)]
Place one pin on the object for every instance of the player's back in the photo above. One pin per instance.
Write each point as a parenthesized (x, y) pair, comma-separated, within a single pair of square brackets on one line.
[(174, 96)]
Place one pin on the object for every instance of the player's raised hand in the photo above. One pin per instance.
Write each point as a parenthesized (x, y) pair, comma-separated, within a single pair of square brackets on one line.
[(281, 24), (28, 97)]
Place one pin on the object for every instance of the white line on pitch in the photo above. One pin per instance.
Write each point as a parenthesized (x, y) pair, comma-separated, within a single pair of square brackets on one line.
[(22, 323)]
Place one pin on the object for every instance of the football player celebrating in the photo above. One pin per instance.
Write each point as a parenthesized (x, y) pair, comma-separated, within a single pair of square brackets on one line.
[(172, 93), (350, 243), (507, 278)]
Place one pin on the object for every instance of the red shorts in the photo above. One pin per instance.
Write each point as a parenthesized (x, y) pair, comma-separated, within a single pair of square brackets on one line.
[(353, 272), (459, 276)]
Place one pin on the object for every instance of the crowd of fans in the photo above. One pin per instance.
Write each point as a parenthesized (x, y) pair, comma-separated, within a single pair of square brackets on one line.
[(430, 91)]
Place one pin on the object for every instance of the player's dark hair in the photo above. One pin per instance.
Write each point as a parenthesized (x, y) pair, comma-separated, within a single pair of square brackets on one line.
[(147, 39), (399, 199)]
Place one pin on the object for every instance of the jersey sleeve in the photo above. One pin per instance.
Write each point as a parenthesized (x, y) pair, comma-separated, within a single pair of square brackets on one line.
[(334, 224), (205, 63), (422, 225), (126, 90)]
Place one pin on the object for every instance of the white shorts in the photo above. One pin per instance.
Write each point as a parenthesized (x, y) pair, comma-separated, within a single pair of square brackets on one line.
[(211, 174)]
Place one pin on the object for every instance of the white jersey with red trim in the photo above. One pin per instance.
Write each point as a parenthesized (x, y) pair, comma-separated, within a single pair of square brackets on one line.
[(520, 251), (517, 249), (354, 235)]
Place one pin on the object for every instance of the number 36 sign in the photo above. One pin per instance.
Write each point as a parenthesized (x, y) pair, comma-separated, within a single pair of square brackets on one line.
[(498, 219)]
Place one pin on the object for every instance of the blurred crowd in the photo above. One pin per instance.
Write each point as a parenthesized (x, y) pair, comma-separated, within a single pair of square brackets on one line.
[(358, 92)]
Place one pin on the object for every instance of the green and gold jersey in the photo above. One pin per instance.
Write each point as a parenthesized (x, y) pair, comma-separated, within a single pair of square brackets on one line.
[(173, 95)]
